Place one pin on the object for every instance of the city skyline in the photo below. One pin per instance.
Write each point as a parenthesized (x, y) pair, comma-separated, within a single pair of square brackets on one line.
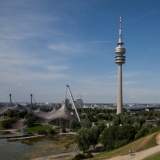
[(45, 45)]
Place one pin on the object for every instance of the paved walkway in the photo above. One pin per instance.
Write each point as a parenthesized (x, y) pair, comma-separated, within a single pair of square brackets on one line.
[(138, 155)]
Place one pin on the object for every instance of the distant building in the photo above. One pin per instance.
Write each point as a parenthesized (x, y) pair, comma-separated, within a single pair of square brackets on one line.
[(78, 103)]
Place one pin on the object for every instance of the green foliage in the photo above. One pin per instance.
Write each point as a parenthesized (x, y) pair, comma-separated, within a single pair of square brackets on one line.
[(8, 123), (89, 155), (87, 137), (46, 109), (125, 132), (153, 129), (79, 157), (28, 115), (63, 130), (83, 156), (116, 120), (13, 113), (1, 126), (136, 126), (115, 137), (83, 139), (74, 125), (101, 127), (95, 134), (30, 121), (158, 123), (147, 125), (85, 123), (52, 131), (108, 137), (141, 120), (21, 114), (42, 131), (120, 143)]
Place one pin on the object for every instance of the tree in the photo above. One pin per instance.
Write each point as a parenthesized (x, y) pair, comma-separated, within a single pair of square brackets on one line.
[(108, 137), (85, 123), (30, 121), (134, 119), (137, 126), (101, 127), (125, 132), (141, 120), (28, 115), (116, 120), (158, 123), (21, 114), (52, 131), (82, 138), (74, 125), (95, 134), (11, 113), (8, 123), (147, 125)]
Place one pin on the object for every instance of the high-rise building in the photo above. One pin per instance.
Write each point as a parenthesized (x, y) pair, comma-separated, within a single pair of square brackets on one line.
[(120, 59)]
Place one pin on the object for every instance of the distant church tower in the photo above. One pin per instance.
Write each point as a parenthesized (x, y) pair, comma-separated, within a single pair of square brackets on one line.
[(120, 59)]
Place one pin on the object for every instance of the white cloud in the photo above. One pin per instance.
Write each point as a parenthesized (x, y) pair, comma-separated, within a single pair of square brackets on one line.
[(68, 48), (130, 82), (88, 81), (138, 74), (145, 15), (94, 42)]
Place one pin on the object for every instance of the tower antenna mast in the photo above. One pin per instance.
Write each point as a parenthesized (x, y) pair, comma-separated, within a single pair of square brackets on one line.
[(120, 60)]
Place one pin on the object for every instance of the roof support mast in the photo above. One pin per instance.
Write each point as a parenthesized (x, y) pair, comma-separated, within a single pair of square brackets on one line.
[(10, 100), (73, 103)]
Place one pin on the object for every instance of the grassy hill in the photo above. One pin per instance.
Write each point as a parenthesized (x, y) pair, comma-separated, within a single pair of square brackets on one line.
[(138, 145)]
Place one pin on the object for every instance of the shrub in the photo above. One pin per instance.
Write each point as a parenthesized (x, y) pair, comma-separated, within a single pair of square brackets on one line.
[(89, 155), (103, 149), (120, 143), (8, 123), (28, 115), (30, 121), (52, 131), (63, 130), (79, 157), (41, 131)]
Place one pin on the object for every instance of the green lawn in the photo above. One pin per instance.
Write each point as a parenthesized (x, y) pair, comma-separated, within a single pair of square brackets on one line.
[(155, 156), (134, 146), (37, 127)]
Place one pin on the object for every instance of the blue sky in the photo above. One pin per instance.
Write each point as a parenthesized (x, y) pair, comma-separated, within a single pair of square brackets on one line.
[(46, 44)]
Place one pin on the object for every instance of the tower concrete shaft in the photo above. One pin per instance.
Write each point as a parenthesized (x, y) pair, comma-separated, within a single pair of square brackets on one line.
[(119, 93), (120, 59)]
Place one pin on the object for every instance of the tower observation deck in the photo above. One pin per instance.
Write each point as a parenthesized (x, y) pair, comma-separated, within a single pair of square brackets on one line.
[(120, 59)]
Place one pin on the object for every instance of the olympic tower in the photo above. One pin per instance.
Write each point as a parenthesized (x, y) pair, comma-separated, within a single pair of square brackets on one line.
[(120, 59)]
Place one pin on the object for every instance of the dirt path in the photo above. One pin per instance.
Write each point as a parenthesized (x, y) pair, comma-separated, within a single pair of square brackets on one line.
[(138, 155)]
